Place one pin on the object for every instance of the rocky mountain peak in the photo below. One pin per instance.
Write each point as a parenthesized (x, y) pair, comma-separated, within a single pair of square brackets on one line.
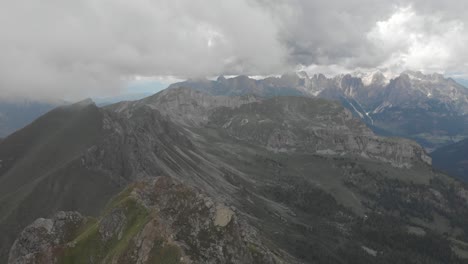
[(418, 75), (84, 103), (221, 78), (374, 78), (302, 75), (242, 78), (319, 77), (437, 76)]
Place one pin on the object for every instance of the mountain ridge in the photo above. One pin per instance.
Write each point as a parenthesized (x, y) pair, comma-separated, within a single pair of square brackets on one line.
[(315, 206)]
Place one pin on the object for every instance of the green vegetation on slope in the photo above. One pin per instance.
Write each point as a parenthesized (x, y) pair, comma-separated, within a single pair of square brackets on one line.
[(90, 245)]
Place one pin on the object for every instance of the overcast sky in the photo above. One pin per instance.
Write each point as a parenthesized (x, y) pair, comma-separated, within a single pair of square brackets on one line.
[(75, 48)]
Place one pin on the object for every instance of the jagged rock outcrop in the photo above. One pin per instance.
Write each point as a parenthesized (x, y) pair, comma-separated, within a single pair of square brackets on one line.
[(39, 241)]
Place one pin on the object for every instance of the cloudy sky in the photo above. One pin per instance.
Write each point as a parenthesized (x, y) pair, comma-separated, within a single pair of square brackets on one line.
[(75, 48)]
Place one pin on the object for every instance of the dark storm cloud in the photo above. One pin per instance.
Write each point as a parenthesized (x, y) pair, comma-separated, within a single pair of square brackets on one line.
[(57, 49)]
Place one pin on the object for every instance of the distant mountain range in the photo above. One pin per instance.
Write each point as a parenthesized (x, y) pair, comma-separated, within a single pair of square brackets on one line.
[(187, 177), (430, 109)]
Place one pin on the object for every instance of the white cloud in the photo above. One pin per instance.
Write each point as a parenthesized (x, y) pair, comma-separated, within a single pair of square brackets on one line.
[(420, 42), (71, 49), (80, 48)]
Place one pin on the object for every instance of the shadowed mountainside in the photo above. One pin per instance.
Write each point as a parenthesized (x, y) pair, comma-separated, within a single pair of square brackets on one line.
[(453, 159)]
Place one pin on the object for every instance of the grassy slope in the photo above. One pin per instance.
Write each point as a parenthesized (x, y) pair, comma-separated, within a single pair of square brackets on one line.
[(89, 245)]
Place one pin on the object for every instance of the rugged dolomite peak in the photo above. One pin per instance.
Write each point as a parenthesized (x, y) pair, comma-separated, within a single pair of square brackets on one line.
[(374, 78)]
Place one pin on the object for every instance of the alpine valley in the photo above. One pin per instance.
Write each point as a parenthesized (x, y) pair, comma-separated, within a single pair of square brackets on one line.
[(241, 171)]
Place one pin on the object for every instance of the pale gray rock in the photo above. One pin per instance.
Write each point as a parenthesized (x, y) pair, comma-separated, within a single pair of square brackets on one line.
[(36, 242)]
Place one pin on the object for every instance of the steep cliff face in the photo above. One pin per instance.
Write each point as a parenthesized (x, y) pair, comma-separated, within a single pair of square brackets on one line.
[(154, 221)]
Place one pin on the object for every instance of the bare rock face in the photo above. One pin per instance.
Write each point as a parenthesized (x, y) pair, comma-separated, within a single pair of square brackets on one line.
[(294, 124), (37, 242), (223, 216), (112, 225)]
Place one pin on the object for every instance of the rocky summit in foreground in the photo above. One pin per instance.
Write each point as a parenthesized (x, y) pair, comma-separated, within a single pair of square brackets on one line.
[(197, 178), (153, 221)]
